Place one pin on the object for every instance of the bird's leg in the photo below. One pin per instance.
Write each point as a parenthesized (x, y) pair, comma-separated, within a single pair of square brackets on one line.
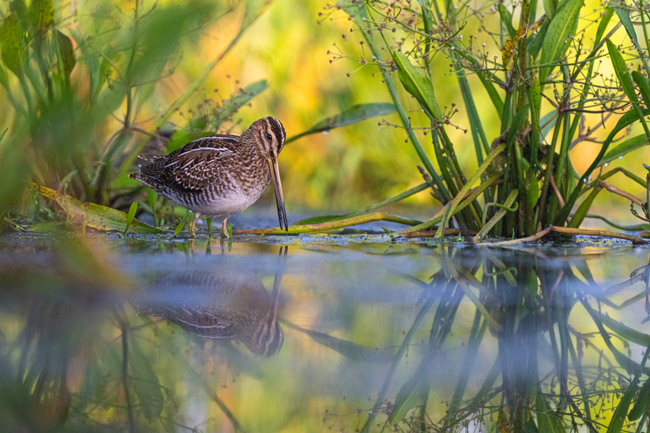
[(224, 228), (192, 225)]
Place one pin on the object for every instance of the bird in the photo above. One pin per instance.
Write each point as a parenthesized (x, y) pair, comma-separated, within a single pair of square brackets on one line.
[(221, 175), (222, 303)]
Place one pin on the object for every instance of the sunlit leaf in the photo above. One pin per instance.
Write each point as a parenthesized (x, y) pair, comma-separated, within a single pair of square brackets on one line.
[(624, 17), (41, 14), (557, 40), (350, 116), (643, 85), (319, 219), (621, 71), (11, 45), (93, 215), (131, 215), (418, 85), (624, 148)]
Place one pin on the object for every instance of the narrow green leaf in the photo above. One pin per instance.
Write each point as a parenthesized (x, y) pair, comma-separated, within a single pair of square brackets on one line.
[(557, 40), (413, 393), (581, 213), (179, 228), (621, 71), (350, 116), (535, 102), (644, 87), (548, 421), (549, 7), (618, 419), (624, 17), (641, 403), (478, 133), (66, 51), (347, 348), (624, 331), (12, 45), (146, 383), (506, 18), (624, 148), (492, 93), (450, 210), (418, 85), (41, 14), (625, 120), (241, 98), (131, 215)]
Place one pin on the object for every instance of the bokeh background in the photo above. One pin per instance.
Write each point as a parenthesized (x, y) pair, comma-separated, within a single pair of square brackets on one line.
[(314, 64)]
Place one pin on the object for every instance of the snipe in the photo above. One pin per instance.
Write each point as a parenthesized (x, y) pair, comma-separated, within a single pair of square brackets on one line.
[(221, 303), (222, 175)]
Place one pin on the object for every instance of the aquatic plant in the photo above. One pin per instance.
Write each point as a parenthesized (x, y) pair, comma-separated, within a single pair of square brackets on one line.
[(547, 90)]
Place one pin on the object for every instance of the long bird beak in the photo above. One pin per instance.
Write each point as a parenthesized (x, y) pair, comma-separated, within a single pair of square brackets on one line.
[(279, 196)]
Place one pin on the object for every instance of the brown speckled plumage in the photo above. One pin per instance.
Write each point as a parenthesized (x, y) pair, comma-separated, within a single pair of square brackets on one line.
[(221, 175), (220, 304)]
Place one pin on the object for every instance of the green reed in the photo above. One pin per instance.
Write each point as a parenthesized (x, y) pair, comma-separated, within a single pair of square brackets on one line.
[(544, 89)]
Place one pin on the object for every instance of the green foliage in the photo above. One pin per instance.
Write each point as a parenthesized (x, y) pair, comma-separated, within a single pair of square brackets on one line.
[(350, 116), (544, 89)]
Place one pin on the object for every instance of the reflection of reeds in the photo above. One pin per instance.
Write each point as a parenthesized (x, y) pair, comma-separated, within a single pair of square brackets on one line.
[(526, 305)]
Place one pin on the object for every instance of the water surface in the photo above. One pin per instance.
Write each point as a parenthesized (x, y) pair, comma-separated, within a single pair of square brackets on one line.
[(342, 333)]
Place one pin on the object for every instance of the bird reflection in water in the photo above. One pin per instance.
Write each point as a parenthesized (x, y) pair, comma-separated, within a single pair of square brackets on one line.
[(223, 303)]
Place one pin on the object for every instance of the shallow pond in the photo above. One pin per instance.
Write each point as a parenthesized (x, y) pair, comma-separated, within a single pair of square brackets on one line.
[(310, 334)]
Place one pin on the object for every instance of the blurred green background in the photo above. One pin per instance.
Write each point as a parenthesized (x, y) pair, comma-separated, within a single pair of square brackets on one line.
[(138, 61)]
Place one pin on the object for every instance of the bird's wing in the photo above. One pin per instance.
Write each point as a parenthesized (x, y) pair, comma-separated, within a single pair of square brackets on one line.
[(202, 321), (195, 165)]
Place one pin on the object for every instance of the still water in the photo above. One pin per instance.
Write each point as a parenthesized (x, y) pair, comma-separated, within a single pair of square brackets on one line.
[(321, 334)]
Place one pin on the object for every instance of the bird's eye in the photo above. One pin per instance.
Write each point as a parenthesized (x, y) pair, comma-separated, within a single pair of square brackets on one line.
[(269, 137)]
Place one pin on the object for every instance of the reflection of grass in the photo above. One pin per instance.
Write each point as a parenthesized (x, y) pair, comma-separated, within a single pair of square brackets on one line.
[(520, 393)]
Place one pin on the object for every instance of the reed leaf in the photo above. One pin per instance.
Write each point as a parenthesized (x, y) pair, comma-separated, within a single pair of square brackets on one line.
[(562, 26), (465, 189), (624, 148), (418, 85), (93, 215), (350, 116)]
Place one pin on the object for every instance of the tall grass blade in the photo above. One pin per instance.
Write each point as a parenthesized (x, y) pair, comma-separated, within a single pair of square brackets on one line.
[(473, 179), (562, 26), (350, 116)]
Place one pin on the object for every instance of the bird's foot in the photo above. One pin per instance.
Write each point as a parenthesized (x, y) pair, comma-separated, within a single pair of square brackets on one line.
[(192, 226), (224, 229)]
